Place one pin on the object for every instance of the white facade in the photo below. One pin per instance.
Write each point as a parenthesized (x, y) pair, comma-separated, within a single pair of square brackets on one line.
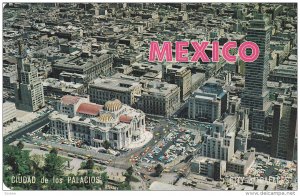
[(218, 142), (9, 112), (209, 167), (204, 106), (115, 122)]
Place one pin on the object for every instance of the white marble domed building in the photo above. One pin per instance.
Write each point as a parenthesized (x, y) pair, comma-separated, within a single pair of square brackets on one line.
[(115, 122)]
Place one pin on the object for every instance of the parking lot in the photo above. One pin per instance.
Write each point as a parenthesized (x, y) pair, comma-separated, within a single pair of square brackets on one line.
[(280, 170), (172, 141), (177, 142)]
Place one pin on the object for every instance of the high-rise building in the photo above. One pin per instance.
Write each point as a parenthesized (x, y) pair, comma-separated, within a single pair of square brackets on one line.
[(255, 95), (218, 142), (284, 128), (29, 93), (241, 139)]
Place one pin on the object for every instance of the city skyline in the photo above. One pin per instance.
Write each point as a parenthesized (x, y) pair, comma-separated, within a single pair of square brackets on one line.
[(150, 96)]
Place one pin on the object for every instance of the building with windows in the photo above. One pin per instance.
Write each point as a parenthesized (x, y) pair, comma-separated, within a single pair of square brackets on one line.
[(90, 66), (284, 128), (159, 98), (181, 76), (212, 168), (241, 162), (218, 141), (9, 112), (78, 119), (9, 76), (256, 95), (124, 89), (209, 102), (29, 94), (284, 73), (55, 87)]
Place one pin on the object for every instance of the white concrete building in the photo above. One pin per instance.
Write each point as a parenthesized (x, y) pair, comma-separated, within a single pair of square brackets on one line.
[(9, 112), (78, 119), (212, 168), (218, 142), (241, 162)]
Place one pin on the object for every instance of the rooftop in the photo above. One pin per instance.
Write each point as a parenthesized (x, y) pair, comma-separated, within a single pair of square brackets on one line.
[(125, 118), (89, 108), (69, 100), (117, 84)]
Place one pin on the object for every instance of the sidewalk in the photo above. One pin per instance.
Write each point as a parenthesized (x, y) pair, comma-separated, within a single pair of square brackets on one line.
[(145, 138)]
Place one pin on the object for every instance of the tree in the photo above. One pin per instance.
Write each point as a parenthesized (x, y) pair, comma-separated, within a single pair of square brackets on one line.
[(106, 144), (82, 165), (128, 174), (15, 162), (54, 165), (130, 170), (124, 186), (53, 151), (158, 169), (17, 159), (20, 145), (89, 164), (104, 179), (37, 164)]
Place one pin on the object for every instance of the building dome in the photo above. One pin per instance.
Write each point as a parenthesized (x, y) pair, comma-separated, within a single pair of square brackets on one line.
[(105, 117), (113, 105)]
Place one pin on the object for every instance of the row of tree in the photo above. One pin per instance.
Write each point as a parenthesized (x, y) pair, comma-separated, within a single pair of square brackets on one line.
[(18, 162)]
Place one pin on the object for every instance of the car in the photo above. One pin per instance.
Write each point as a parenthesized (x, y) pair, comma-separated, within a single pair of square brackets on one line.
[(161, 158)]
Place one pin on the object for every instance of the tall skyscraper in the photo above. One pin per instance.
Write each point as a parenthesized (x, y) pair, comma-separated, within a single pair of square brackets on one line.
[(29, 93), (255, 95), (284, 128)]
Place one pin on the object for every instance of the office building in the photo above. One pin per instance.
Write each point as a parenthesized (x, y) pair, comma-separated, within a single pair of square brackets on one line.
[(125, 89), (29, 93), (181, 76), (218, 142), (241, 162), (255, 95), (212, 168), (241, 139), (208, 103), (284, 129), (55, 87), (91, 66), (9, 76), (159, 98)]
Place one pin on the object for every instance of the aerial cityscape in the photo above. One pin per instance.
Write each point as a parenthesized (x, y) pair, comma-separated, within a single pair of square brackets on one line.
[(84, 109)]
